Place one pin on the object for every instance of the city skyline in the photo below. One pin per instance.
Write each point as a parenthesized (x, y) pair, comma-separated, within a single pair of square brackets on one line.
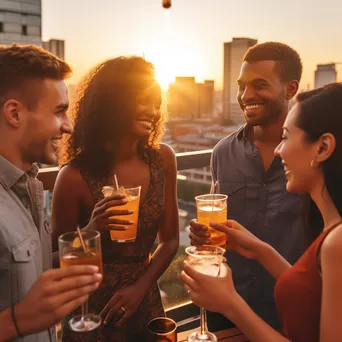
[(189, 41)]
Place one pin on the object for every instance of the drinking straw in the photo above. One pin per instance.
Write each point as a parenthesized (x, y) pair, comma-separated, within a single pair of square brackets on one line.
[(81, 239), (116, 182)]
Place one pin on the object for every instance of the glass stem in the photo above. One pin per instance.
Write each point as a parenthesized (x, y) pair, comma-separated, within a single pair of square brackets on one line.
[(84, 312), (204, 329)]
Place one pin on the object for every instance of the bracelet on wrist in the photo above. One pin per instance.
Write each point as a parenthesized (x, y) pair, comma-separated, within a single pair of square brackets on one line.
[(15, 323)]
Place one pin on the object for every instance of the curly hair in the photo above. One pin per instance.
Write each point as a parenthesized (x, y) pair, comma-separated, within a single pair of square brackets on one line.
[(288, 63), (103, 112), (21, 65)]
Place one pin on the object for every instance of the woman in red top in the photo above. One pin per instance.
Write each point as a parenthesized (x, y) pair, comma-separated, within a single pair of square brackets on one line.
[(309, 294)]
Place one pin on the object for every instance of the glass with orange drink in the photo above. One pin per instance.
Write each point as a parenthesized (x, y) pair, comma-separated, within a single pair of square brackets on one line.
[(212, 208), (129, 233), (72, 252)]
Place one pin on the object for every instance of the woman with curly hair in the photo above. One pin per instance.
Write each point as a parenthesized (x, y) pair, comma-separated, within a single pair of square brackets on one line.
[(118, 123)]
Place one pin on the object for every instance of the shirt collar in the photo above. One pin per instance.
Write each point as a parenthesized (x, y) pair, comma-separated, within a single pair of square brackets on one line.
[(10, 174), (243, 131)]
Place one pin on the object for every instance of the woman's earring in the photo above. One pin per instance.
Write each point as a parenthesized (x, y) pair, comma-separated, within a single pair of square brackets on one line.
[(313, 163)]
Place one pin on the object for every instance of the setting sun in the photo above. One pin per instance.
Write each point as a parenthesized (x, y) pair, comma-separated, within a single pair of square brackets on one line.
[(170, 64), (171, 54), (164, 76)]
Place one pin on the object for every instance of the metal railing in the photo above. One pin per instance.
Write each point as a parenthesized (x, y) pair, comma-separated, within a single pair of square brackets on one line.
[(185, 161)]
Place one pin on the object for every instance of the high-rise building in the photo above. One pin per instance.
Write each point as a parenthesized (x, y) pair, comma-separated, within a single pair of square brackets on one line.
[(188, 99), (325, 74), (205, 95), (182, 97), (232, 59), (55, 46), (20, 22)]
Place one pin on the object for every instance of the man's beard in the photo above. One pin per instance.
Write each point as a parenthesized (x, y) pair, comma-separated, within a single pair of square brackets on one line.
[(272, 110)]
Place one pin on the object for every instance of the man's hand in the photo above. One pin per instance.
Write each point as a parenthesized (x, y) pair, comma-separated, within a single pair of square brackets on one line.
[(199, 234), (55, 294)]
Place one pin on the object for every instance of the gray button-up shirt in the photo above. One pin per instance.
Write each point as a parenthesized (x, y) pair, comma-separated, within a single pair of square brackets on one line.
[(259, 201), (25, 241)]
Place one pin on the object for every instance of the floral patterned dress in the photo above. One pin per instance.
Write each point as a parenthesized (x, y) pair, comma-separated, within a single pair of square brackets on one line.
[(124, 263)]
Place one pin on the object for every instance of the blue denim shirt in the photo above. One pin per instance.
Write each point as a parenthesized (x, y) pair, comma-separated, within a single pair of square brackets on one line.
[(259, 201)]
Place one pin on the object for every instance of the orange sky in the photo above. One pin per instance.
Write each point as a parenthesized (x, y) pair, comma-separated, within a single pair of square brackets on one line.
[(189, 41)]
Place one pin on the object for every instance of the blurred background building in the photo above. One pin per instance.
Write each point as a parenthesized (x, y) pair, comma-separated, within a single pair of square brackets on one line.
[(188, 99), (21, 22), (325, 74), (55, 46), (233, 53)]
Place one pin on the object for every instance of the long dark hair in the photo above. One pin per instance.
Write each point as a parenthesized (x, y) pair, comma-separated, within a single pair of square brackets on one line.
[(321, 112), (103, 113)]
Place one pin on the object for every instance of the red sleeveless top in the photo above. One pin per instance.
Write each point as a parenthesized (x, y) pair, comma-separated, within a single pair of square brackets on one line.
[(298, 295)]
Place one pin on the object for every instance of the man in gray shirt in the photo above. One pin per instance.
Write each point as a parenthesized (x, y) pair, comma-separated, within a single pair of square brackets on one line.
[(247, 171), (33, 104)]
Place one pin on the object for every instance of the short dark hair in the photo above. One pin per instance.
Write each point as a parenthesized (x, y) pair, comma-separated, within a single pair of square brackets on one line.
[(288, 64), (20, 65)]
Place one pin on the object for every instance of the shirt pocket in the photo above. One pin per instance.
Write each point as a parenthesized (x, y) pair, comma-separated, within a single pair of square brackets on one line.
[(24, 268), (236, 192), (5, 280)]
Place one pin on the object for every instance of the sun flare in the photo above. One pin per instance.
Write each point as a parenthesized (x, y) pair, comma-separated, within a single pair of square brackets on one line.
[(164, 76)]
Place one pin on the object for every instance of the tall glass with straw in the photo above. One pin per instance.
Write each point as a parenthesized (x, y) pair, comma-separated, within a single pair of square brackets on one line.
[(124, 234), (213, 208), (207, 260), (81, 248)]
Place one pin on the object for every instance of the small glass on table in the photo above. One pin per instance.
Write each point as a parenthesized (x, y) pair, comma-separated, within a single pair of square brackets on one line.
[(206, 260), (162, 329), (73, 252)]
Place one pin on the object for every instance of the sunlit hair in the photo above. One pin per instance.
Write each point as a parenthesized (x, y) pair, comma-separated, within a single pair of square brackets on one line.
[(21, 66), (320, 111), (288, 64), (104, 110)]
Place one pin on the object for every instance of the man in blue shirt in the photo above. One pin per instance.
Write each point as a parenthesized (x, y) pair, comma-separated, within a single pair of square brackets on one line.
[(246, 169)]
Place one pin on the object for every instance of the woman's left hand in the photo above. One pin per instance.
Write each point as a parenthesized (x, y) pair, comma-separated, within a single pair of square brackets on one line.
[(215, 294), (122, 305)]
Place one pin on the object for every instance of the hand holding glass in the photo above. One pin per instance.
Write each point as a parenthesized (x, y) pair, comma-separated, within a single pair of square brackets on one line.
[(212, 208), (72, 253), (129, 233), (206, 260)]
